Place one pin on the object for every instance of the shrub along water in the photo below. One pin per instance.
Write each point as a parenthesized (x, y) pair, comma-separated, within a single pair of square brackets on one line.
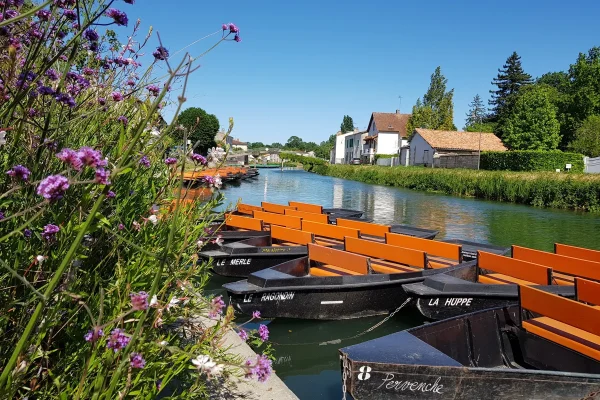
[(542, 189), (531, 160)]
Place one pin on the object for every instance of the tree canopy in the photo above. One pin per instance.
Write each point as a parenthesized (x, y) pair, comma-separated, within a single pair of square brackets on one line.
[(201, 128), (476, 114), (511, 77), (587, 137), (347, 124)]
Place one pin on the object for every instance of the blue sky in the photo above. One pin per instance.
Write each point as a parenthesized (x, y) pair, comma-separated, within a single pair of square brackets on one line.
[(302, 65)]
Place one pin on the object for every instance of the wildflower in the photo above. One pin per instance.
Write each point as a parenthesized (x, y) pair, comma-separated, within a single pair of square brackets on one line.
[(123, 120), (110, 194), (243, 334), (219, 240), (93, 334), (139, 301), (136, 226), (161, 53), (209, 180), (198, 159), (263, 332), (46, 91), (119, 17), (1, 215), (153, 219), (71, 158), (70, 15), (19, 172), (206, 364), (90, 157), (52, 74), (2, 137), (224, 27), (145, 162), (91, 35), (10, 14), (217, 304), (173, 303), (154, 301), (200, 244), (164, 343), (27, 233), (53, 187), (65, 99), (49, 232), (88, 71), (136, 360), (153, 89), (171, 161), (237, 38), (256, 315), (233, 28), (117, 340), (117, 96), (261, 369), (121, 227), (44, 15), (40, 259), (217, 181), (101, 101)]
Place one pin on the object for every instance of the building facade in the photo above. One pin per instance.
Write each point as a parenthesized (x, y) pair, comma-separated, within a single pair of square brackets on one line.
[(386, 134)]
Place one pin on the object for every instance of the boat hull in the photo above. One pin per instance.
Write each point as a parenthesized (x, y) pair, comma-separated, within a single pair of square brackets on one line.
[(242, 265)]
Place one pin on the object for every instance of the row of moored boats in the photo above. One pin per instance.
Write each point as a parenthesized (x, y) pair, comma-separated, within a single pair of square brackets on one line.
[(512, 322)]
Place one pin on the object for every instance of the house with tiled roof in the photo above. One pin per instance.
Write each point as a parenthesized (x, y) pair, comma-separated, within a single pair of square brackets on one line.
[(428, 146), (238, 144), (386, 134)]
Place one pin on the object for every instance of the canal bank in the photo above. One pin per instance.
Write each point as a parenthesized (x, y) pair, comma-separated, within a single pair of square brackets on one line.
[(306, 352), (541, 189)]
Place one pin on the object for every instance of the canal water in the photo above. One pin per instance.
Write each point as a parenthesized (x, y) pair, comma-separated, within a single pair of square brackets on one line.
[(307, 351)]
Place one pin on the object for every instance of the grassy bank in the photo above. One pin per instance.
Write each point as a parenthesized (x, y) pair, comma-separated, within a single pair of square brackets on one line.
[(541, 189)]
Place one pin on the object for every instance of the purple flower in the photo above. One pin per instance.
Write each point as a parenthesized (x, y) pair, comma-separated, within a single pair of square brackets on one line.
[(53, 187), (139, 301), (216, 307), (9, 14), (117, 96), (70, 15), (27, 233), (19, 172), (145, 162), (129, 1), (65, 99), (46, 91), (110, 194), (101, 101), (1, 216), (102, 176), (171, 161), (161, 53), (224, 27), (153, 89), (119, 17), (44, 15), (256, 314), (71, 158), (198, 159), (123, 120), (263, 332), (52, 74), (243, 334), (90, 157), (89, 71), (261, 369), (93, 334), (91, 35), (135, 359), (121, 227), (117, 340), (237, 38), (209, 180), (233, 28), (49, 232)]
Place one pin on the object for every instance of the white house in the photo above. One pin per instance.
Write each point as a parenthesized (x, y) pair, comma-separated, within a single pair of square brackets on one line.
[(427, 145), (237, 144), (386, 134), (353, 147)]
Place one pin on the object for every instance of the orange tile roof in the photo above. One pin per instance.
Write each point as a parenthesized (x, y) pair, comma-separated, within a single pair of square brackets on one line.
[(390, 122), (453, 140), (237, 142)]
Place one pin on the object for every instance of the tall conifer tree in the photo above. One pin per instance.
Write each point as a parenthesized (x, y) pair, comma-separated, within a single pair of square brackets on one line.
[(511, 77)]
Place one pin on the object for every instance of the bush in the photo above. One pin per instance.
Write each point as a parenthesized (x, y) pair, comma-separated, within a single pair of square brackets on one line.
[(530, 160), (383, 156), (543, 189), (307, 162)]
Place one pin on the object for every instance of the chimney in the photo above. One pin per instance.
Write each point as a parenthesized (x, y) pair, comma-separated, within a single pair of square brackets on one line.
[(397, 111)]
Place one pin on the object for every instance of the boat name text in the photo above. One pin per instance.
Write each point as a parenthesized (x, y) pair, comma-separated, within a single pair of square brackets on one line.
[(454, 301), (415, 386), (276, 250), (240, 261), (277, 296)]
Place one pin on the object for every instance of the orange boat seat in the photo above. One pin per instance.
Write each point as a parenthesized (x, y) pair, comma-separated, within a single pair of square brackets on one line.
[(577, 252), (312, 208), (308, 216), (501, 279), (438, 252), (587, 291), (365, 228), (387, 259), (289, 237), (330, 260), (506, 270)]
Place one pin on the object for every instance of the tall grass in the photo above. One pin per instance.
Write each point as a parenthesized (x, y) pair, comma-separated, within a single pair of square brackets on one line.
[(540, 189)]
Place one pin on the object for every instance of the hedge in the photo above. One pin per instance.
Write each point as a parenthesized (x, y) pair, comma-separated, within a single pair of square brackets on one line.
[(542, 189), (530, 160), (383, 156), (307, 162)]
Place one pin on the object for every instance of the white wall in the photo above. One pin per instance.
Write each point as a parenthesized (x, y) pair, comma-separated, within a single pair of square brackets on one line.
[(353, 147), (387, 143), (420, 151), (339, 150)]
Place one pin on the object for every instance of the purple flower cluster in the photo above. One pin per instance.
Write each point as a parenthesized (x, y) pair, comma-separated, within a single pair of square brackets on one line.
[(198, 159), (256, 315), (91, 35), (243, 334), (19, 172), (171, 161), (93, 334), (44, 15), (66, 99), (117, 340), (161, 53), (261, 369), (145, 162), (263, 332), (71, 158), (119, 17), (136, 360), (209, 180), (90, 157), (216, 307), (139, 301), (110, 194), (53, 187), (117, 96), (101, 176), (123, 119), (70, 15), (1, 215), (49, 232), (153, 89)]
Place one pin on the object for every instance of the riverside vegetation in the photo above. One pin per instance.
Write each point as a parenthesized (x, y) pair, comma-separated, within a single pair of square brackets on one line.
[(542, 189), (100, 288)]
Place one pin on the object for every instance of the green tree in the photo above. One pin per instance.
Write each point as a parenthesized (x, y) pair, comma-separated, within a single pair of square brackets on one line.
[(436, 111), (587, 137), (294, 143), (489, 127), (347, 124), (201, 126), (276, 145), (324, 149), (531, 123), (476, 114), (256, 145), (310, 146), (511, 77)]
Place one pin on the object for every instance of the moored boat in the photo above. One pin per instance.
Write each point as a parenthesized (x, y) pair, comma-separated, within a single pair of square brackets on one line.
[(365, 279), (545, 347)]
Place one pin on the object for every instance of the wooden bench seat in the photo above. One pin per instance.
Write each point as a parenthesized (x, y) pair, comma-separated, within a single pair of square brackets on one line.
[(386, 267), (327, 241), (506, 270), (331, 270), (365, 228), (247, 209), (309, 216), (387, 259), (283, 236), (439, 254), (312, 208), (587, 291), (501, 279), (243, 223), (332, 262), (577, 252), (566, 322), (328, 235), (275, 208), (440, 262), (278, 219)]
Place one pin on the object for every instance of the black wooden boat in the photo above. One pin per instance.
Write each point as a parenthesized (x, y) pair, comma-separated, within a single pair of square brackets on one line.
[(470, 249), (414, 231), (476, 287), (334, 284), (490, 354)]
